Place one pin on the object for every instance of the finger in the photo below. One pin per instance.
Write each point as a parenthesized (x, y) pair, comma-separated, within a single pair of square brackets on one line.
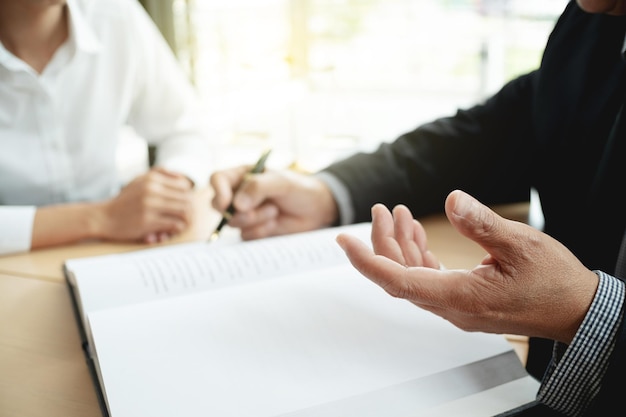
[(163, 237), (260, 230), (382, 272), (267, 221), (171, 180), (275, 225), (165, 226), (156, 237), (482, 225), (166, 206), (383, 238), (428, 258), (169, 196), (155, 222), (260, 187), (419, 236), (417, 284), (252, 218), (405, 232), (150, 238), (164, 171), (224, 183), (157, 191), (169, 173)]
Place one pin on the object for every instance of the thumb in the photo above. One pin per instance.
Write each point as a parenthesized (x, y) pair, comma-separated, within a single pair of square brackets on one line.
[(479, 223)]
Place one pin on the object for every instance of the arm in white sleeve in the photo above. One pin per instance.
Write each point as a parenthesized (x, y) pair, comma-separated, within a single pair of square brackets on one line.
[(166, 109), (16, 226)]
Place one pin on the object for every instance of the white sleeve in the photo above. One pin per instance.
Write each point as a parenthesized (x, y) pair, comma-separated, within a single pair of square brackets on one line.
[(166, 108), (341, 195), (16, 224)]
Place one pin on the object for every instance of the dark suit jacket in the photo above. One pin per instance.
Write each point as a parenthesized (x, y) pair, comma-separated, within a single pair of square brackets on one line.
[(548, 129)]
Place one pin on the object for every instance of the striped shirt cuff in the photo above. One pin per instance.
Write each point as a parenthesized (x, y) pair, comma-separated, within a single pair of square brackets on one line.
[(571, 383)]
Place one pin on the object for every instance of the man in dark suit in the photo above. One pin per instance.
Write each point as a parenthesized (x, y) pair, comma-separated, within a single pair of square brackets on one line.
[(559, 130)]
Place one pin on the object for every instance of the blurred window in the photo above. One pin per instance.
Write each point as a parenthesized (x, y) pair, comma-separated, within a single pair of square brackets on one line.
[(319, 79)]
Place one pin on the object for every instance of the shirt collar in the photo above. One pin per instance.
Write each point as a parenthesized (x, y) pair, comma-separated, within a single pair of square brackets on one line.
[(81, 38), (8, 60), (81, 35)]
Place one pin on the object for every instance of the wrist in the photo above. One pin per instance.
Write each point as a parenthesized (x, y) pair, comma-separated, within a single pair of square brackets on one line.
[(64, 223), (337, 200), (330, 212), (97, 220), (584, 294)]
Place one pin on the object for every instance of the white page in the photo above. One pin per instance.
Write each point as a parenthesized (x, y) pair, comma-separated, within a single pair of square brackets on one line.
[(119, 279), (320, 341)]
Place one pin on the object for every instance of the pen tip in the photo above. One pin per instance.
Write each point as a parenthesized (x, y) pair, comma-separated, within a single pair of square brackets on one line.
[(213, 237)]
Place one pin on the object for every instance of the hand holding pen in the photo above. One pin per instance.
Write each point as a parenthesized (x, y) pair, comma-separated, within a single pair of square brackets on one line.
[(256, 169)]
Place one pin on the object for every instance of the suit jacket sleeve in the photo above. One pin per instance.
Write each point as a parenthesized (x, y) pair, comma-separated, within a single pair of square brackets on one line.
[(481, 150)]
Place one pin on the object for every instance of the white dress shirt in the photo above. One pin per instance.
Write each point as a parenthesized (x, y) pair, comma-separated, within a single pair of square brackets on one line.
[(59, 130)]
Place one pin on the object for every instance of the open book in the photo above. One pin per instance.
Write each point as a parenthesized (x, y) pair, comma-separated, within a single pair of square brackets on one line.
[(281, 326)]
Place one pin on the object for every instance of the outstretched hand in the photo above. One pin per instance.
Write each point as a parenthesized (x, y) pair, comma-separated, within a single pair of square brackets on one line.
[(527, 284)]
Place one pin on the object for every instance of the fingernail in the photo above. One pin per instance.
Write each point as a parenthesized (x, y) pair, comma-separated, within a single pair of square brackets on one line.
[(461, 206), (464, 205)]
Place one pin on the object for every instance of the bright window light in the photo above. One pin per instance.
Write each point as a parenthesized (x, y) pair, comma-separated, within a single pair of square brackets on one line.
[(320, 79)]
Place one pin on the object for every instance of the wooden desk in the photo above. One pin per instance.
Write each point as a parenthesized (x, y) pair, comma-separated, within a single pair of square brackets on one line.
[(42, 366), (453, 250), (43, 372)]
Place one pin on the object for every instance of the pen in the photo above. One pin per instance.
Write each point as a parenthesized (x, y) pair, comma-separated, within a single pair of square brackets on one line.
[(256, 169)]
